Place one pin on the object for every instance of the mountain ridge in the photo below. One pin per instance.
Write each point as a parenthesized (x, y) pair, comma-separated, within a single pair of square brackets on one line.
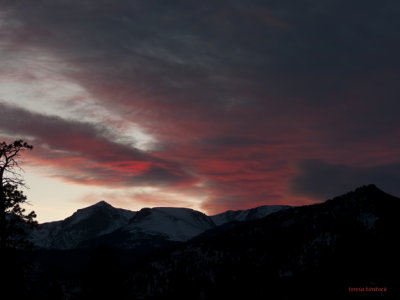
[(315, 251), (104, 223)]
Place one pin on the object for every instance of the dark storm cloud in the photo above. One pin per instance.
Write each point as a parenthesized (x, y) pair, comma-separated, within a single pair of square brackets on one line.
[(321, 180)]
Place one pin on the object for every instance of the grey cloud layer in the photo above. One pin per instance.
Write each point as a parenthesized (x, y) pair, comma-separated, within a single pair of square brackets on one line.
[(180, 38)]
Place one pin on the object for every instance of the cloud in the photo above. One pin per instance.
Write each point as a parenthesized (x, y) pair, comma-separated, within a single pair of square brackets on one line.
[(232, 93), (234, 141), (203, 67), (320, 180), (84, 153)]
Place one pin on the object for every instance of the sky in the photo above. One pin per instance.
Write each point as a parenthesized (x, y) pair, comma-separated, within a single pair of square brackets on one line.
[(211, 105)]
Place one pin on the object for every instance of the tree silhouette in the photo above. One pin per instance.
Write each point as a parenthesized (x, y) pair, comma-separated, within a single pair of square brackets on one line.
[(17, 220), (13, 218), (14, 222)]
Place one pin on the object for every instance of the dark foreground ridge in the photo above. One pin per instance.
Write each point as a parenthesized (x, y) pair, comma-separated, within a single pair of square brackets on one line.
[(344, 248)]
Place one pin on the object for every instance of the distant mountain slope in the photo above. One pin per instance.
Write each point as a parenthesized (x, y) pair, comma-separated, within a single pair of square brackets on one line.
[(317, 252), (104, 224), (85, 224), (176, 224), (246, 215)]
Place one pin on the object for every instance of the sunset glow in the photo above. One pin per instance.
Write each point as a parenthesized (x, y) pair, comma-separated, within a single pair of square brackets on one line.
[(201, 105)]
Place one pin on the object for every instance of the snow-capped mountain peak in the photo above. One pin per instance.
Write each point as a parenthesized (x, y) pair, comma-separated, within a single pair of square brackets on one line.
[(101, 222), (175, 224), (85, 224)]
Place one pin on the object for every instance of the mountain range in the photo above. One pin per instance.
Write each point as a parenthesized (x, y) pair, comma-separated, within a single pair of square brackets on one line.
[(329, 250), (343, 248), (102, 223)]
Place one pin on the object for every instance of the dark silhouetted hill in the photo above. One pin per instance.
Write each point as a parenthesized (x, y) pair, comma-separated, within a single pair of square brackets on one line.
[(331, 250), (317, 251)]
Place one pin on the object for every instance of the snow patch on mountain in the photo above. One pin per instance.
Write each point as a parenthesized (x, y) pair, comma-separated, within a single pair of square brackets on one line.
[(175, 224), (247, 215)]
